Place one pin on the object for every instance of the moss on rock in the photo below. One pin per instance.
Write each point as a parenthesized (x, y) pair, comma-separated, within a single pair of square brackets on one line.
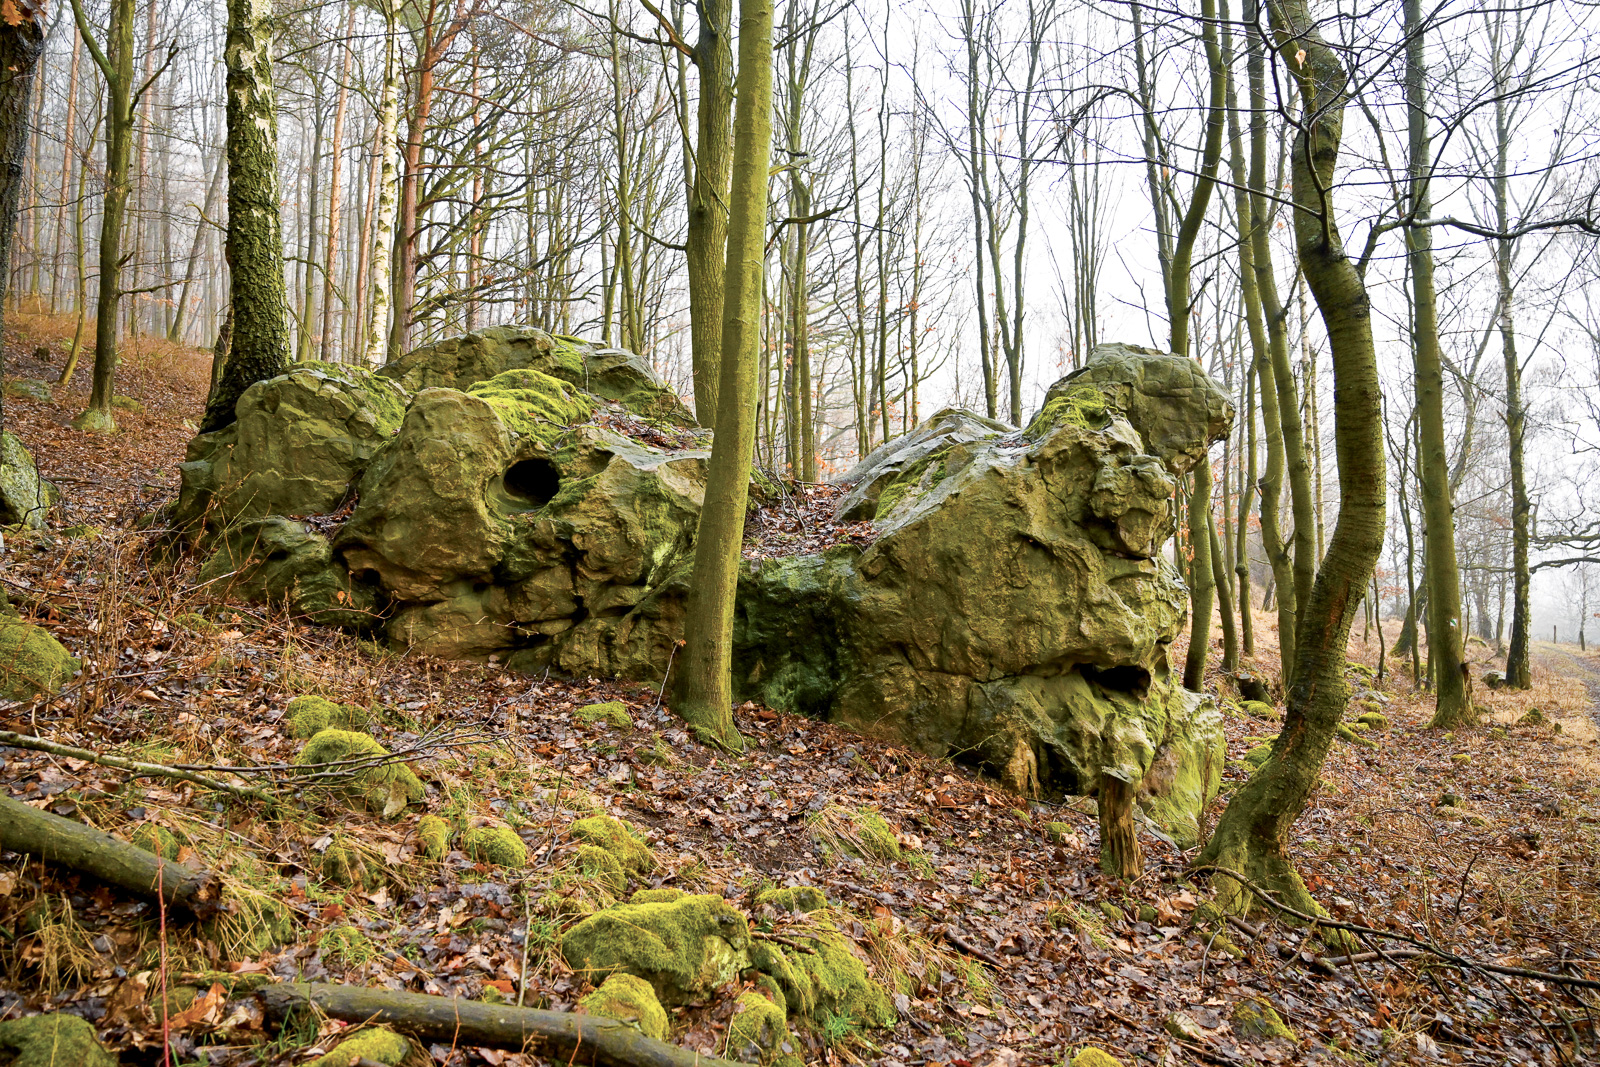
[(664, 895), (1258, 755), (1059, 833), (375, 788), (344, 866), (434, 833), (628, 999), (533, 405), (1376, 720), (309, 715), (1082, 406), (615, 836), (1259, 709), (759, 1031), (376, 1044), (54, 1040), (685, 948), (497, 845), (806, 898), (1089, 1056), (829, 980), (1347, 734), (1256, 1020), (31, 661), (602, 866), (612, 713)]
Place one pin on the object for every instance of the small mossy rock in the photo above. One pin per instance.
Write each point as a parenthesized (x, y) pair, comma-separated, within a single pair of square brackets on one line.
[(613, 835), (344, 866), (1111, 911), (128, 404), (29, 389), (1461, 759), (903, 458), (1375, 720), (1494, 679), (275, 560), (1347, 734), (31, 661), (1182, 1026), (54, 1040), (1533, 717), (1258, 755), (612, 712), (1255, 1020), (385, 788), (1095, 1057), (1259, 709), (628, 999), (306, 716), (496, 845), (758, 1032), (684, 948), (434, 833), (838, 981), (804, 898), (602, 866), (1148, 913), (91, 420), (157, 840), (196, 623), (663, 895), (377, 1044), (1059, 833)]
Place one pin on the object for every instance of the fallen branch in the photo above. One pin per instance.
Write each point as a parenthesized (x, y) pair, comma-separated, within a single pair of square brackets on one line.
[(1464, 962), (567, 1036), (960, 944), (84, 849), (135, 767)]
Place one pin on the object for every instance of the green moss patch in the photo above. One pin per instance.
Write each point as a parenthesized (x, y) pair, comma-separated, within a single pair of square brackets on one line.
[(53, 1040), (1376, 720), (1258, 755), (685, 949), (383, 788), (1347, 734), (156, 839), (375, 1044), (860, 832), (628, 999), (832, 981), (612, 713), (1259, 709), (613, 835), (533, 404), (664, 895), (1256, 1020), (602, 867), (759, 1031), (1082, 406), (496, 845), (31, 661), (346, 946), (434, 833), (806, 898), (1090, 1056), (309, 715)]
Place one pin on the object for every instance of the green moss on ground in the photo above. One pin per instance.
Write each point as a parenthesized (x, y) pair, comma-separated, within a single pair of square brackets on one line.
[(664, 895), (346, 946), (615, 836), (612, 713), (54, 1040), (496, 845), (602, 867), (1354, 738), (1377, 720), (831, 980), (1089, 1056), (307, 716), (684, 948), (375, 1044), (1259, 709), (128, 403), (31, 661), (534, 405), (861, 832), (375, 788), (806, 898), (195, 622), (344, 866), (156, 839), (1083, 406), (1059, 832), (628, 999), (434, 833), (1258, 755), (1256, 1020)]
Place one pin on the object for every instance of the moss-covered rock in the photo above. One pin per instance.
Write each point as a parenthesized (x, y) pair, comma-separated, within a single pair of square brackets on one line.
[(1256, 1020), (829, 980), (376, 1044), (31, 661), (307, 716), (663, 895), (1375, 720), (132, 405), (387, 787), (1082, 406), (25, 497), (496, 845), (803, 898), (533, 405), (1259, 709), (759, 1032), (684, 948), (615, 837), (1089, 1056), (612, 713), (628, 999), (28, 389), (1059, 833), (275, 560), (343, 865), (53, 1040), (434, 833), (1258, 755), (602, 867), (1345, 733)]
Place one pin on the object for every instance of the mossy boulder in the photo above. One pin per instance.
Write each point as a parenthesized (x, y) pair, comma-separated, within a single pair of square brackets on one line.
[(617, 838), (434, 833), (602, 867), (25, 497), (343, 865), (53, 1040), (802, 898), (1375, 720), (684, 948), (1256, 1020), (533, 405), (612, 713), (1089, 1056), (29, 389), (628, 999), (497, 846), (282, 561), (759, 1032), (387, 787), (309, 715), (1259, 709), (1258, 755), (31, 661), (829, 979), (663, 895), (375, 1044)]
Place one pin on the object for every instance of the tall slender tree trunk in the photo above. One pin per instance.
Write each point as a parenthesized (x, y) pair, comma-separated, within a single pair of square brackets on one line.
[(213, 192), (380, 302), (706, 237), (705, 680), (1252, 836), (21, 46), (260, 318), (329, 289), (68, 161)]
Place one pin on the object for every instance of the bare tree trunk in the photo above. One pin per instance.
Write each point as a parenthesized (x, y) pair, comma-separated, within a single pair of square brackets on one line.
[(21, 46)]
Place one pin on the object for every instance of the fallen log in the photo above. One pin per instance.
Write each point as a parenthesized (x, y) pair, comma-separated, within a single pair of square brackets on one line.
[(84, 849), (567, 1036)]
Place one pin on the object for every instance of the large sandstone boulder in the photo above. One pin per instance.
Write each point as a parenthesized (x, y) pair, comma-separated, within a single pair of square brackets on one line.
[(25, 497)]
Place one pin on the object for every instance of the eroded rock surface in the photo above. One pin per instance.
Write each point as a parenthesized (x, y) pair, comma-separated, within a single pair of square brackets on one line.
[(523, 498)]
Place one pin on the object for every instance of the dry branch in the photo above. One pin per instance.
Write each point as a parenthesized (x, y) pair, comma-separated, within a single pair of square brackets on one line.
[(134, 767), (566, 1036), (84, 849)]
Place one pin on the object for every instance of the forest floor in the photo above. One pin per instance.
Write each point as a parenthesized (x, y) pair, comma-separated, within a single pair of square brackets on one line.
[(1006, 944)]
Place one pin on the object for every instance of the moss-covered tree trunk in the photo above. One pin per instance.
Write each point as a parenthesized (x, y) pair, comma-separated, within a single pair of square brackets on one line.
[(116, 66), (21, 44), (254, 244), (705, 682), (706, 239), (1452, 692), (1252, 835)]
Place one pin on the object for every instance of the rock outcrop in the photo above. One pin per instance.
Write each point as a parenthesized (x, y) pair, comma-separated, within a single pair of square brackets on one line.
[(522, 498)]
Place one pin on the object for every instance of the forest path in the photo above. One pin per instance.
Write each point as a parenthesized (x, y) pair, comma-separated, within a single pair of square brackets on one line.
[(1584, 667)]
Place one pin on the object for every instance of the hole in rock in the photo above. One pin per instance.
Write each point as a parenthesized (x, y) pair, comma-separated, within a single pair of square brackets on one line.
[(278, 555), (1133, 680), (534, 480)]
